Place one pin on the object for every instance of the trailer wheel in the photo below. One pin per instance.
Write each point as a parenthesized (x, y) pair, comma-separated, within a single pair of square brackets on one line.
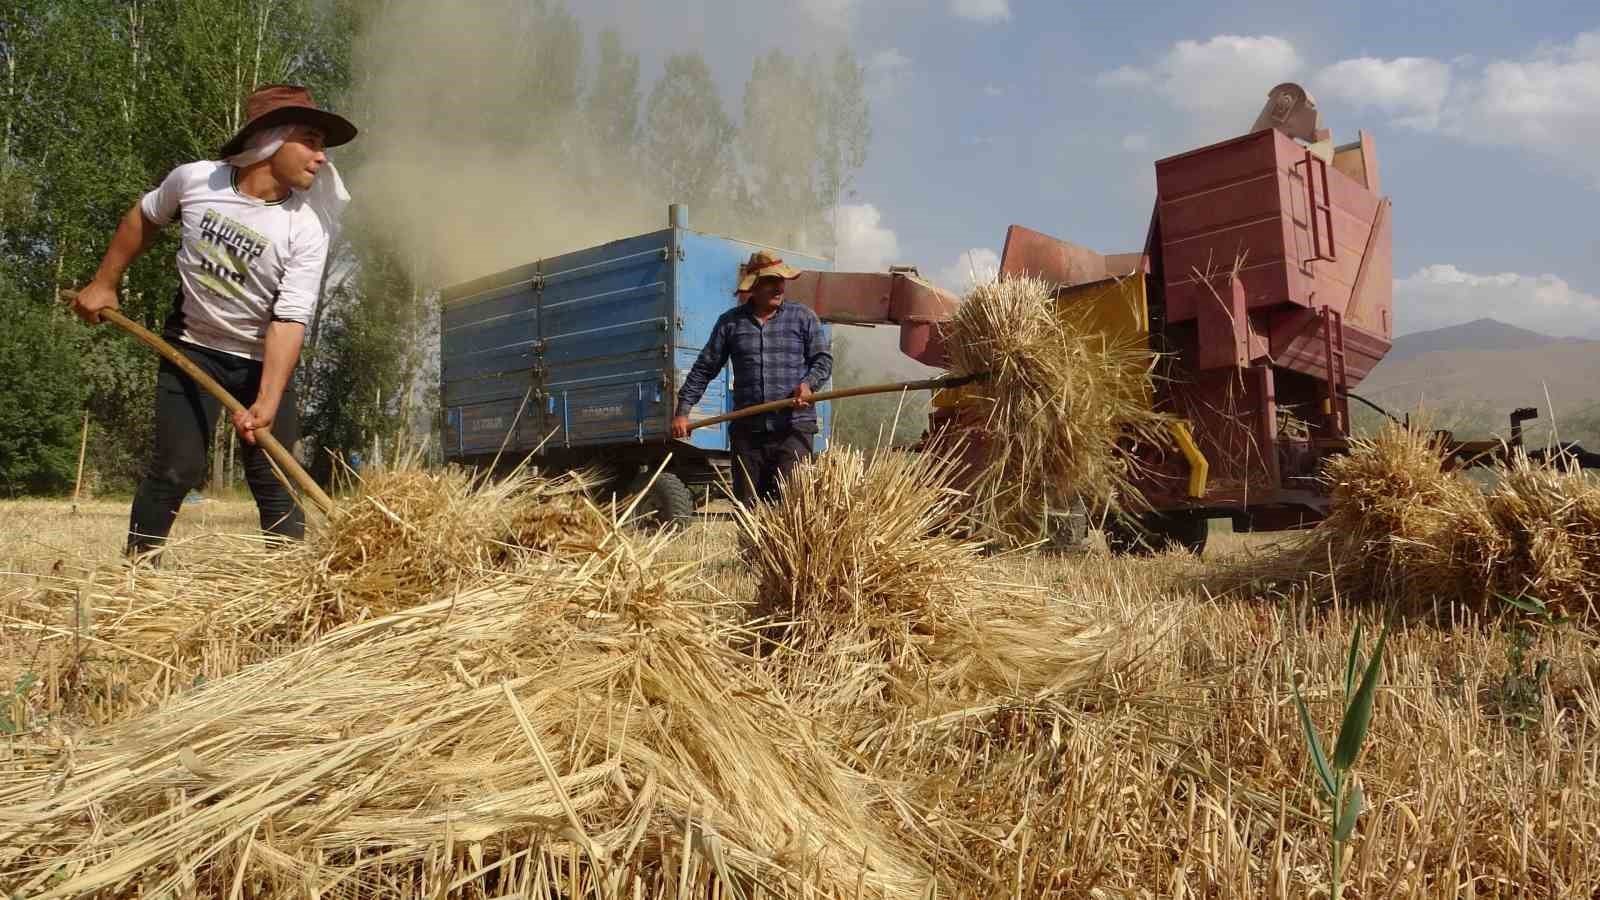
[(1155, 533), (667, 504)]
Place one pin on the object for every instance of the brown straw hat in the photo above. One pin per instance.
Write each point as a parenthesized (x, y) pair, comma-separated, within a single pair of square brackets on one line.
[(286, 104), (764, 264)]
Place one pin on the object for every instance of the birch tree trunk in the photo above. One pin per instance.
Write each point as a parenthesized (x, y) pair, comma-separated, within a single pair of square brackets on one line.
[(135, 35), (261, 40), (11, 104)]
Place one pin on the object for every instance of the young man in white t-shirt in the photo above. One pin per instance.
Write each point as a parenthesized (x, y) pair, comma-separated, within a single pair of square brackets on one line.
[(256, 226)]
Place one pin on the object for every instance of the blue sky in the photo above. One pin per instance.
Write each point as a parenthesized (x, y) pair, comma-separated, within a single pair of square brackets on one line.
[(1051, 115)]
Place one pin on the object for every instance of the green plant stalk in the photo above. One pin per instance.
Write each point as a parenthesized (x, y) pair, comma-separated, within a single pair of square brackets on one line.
[(1336, 775)]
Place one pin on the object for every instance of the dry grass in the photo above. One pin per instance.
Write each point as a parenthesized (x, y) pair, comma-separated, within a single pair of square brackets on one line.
[(1060, 395), (585, 724)]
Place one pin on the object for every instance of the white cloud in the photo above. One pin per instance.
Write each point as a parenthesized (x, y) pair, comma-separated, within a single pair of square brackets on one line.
[(1228, 74), (865, 244), (1547, 102), (971, 267), (993, 90), (888, 71), (1136, 143), (985, 11), (1410, 89), (1439, 295)]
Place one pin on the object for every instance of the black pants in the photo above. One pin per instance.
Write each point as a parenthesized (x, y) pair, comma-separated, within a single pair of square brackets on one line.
[(185, 418), (761, 458)]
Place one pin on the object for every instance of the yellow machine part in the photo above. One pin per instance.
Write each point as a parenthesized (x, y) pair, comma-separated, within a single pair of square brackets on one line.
[(1119, 309), (1199, 468)]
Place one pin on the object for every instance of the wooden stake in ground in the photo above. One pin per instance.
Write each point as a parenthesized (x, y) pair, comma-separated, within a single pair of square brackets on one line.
[(287, 465), (83, 448)]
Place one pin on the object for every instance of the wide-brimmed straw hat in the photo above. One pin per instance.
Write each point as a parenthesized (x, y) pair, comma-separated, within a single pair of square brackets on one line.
[(286, 104), (764, 264)]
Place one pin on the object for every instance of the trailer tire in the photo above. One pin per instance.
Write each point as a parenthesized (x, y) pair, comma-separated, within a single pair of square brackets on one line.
[(666, 504), (1155, 533)]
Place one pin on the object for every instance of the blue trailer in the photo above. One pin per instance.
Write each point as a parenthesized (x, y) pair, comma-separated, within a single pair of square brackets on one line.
[(577, 360)]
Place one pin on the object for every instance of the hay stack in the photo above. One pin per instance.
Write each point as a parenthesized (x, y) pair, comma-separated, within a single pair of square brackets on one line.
[(1060, 396), (876, 601), (575, 728), (1549, 515), (129, 638), (1402, 528), (1407, 532), (407, 534)]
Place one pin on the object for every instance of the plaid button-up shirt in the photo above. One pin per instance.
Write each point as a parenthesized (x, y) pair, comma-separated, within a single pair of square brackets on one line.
[(769, 362)]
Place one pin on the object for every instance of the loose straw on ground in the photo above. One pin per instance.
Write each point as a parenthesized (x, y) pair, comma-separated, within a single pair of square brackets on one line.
[(413, 751)]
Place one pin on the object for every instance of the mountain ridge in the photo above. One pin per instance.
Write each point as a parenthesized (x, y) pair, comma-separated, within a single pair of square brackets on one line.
[(1468, 378), (1478, 334)]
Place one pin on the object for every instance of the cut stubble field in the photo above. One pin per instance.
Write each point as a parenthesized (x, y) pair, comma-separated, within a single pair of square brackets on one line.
[(1183, 770)]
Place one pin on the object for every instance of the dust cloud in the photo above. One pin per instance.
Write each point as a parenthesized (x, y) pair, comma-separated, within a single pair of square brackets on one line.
[(471, 132), (476, 153)]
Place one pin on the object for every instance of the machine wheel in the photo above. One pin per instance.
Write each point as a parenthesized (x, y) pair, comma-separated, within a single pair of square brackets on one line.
[(1156, 533), (667, 504)]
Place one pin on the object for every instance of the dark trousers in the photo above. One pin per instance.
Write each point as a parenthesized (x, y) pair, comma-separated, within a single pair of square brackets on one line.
[(762, 458), (186, 416)]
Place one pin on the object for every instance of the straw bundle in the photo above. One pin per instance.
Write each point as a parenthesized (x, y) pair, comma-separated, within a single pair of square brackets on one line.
[(407, 533), (1402, 527), (877, 601), (572, 728), (1550, 517), (1406, 531), (1061, 393)]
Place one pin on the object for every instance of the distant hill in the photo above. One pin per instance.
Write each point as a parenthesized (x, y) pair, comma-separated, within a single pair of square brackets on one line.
[(1479, 334), (1470, 377)]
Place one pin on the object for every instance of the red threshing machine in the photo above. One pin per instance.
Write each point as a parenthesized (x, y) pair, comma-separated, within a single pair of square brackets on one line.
[(1264, 288)]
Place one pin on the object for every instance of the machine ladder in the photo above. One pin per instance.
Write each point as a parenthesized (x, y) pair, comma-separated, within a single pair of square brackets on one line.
[(1336, 405)]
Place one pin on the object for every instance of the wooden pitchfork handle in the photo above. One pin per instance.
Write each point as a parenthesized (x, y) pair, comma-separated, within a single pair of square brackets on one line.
[(274, 448), (928, 384)]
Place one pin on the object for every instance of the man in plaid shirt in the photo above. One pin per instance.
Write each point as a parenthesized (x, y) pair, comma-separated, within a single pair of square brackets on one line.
[(778, 350)]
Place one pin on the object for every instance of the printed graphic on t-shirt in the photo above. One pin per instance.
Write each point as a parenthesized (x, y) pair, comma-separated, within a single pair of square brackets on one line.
[(227, 250)]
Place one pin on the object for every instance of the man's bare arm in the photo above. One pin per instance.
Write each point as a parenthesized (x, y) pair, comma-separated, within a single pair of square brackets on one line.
[(282, 354), (134, 235)]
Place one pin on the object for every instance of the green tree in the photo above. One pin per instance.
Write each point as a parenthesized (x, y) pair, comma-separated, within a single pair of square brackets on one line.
[(803, 136), (41, 396), (845, 131), (612, 104), (687, 133), (357, 385), (780, 148)]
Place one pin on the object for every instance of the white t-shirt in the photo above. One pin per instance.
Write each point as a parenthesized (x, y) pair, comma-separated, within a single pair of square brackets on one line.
[(243, 262)]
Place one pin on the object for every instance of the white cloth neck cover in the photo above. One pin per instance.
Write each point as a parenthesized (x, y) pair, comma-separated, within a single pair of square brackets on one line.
[(327, 196)]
